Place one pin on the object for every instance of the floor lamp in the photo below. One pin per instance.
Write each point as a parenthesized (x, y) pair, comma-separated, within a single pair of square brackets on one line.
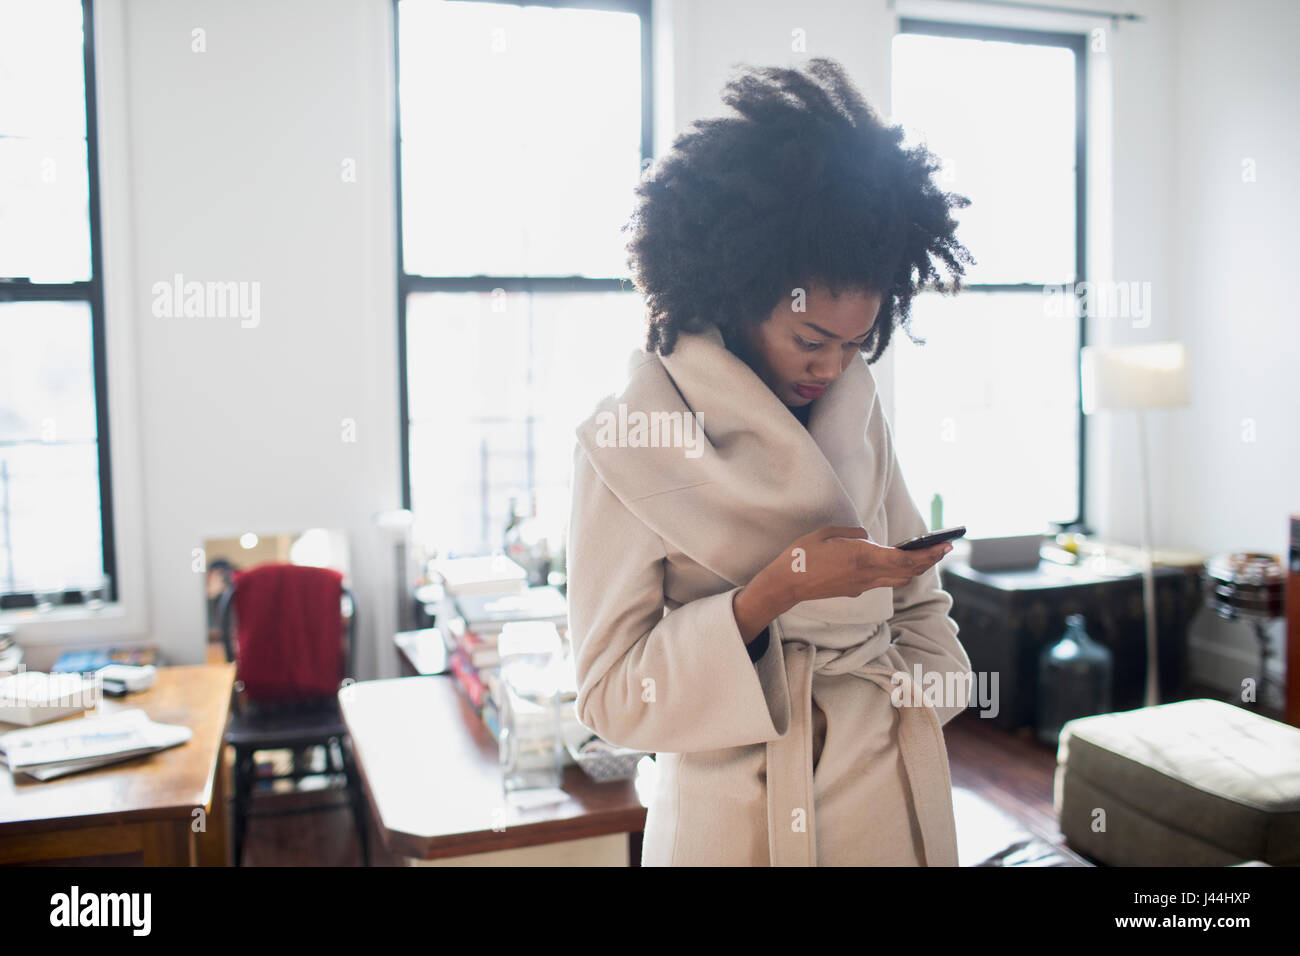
[(1138, 377)]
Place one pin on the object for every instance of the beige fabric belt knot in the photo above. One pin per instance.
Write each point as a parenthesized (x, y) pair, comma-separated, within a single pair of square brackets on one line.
[(789, 758)]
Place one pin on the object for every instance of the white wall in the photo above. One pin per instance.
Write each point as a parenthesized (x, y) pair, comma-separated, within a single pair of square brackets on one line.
[(226, 165), (1237, 247), (1231, 473)]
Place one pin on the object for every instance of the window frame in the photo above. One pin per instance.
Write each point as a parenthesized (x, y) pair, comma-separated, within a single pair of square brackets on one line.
[(91, 292), (1077, 42), (408, 284)]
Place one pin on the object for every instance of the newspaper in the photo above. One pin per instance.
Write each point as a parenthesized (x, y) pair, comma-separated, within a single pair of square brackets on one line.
[(67, 746)]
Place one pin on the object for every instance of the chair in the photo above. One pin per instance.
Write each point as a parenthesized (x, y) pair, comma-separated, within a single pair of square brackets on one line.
[(295, 715)]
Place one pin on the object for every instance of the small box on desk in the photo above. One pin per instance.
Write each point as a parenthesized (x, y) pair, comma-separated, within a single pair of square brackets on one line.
[(1017, 552)]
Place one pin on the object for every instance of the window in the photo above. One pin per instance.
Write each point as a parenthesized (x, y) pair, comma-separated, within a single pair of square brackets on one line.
[(522, 135), (56, 528), (987, 412)]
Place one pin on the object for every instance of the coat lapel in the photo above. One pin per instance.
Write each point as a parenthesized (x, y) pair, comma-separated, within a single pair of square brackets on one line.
[(755, 479)]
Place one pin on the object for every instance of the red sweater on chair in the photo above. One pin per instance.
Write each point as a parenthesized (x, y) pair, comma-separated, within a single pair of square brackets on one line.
[(290, 640)]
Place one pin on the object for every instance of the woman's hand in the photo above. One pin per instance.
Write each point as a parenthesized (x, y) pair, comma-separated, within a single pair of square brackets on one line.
[(841, 562), (830, 562)]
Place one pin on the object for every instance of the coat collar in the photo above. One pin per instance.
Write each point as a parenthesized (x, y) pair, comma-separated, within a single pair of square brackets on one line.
[(746, 477)]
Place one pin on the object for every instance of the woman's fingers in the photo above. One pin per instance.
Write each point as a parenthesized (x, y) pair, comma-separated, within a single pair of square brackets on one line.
[(932, 557)]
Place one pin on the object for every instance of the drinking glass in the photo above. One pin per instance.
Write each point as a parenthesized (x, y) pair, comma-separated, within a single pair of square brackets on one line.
[(95, 592), (48, 594)]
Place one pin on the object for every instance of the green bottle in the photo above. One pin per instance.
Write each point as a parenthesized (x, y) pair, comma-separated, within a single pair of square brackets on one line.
[(936, 512)]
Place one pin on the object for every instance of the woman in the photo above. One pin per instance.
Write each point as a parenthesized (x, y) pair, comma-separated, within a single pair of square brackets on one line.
[(734, 605)]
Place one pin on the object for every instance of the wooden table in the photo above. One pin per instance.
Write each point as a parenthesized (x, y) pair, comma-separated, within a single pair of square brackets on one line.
[(432, 778), (142, 810), (1006, 618)]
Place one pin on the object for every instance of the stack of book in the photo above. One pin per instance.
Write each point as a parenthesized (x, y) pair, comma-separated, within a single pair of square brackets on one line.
[(470, 618), (482, 616)]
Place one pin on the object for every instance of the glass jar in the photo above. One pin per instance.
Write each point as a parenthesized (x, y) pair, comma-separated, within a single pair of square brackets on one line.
[(1074, 680), (531, 741)]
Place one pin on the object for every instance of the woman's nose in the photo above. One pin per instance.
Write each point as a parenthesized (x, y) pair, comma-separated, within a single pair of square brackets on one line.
[(825, 370)]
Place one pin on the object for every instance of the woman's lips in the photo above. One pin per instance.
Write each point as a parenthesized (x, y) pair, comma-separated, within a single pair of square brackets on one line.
[(809, 391)]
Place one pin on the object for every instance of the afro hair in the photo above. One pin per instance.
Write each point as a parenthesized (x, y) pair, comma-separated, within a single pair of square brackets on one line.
[(806, 185)]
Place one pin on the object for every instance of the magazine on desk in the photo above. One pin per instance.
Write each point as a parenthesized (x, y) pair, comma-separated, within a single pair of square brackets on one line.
[(68, 746)]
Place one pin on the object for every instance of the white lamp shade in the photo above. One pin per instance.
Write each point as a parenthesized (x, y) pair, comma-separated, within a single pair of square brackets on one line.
[(1133, 376)]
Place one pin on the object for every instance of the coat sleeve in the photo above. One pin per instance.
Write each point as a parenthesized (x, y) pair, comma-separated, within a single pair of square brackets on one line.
[(923, 632), (663, 683)]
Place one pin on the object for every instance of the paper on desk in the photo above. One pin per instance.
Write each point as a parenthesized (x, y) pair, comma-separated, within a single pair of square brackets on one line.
[(70, 745), (51, 770)]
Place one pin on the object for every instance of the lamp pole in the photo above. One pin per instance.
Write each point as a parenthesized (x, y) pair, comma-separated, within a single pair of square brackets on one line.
[(1148, 577)]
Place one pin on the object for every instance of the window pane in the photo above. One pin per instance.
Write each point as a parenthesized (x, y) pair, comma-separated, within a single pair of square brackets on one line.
[(497, 386), (50, 529), (1002, 117), (44, 199), (521, 138), (44, 210), (42, 72), (986, 411)]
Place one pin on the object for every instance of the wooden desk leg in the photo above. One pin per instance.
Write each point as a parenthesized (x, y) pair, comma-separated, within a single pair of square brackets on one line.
[(168, 843), (212, 847)]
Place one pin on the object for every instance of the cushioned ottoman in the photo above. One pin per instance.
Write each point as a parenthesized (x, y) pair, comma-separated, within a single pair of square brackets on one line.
[(1192, 783)]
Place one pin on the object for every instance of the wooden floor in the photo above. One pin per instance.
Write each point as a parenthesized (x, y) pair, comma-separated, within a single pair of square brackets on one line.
[(1012, 771), (325, 837)]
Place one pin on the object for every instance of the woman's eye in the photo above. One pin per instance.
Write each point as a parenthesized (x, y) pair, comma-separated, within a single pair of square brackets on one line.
[(805, 344)]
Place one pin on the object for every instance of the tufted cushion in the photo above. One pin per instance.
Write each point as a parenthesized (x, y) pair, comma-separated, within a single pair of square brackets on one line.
[(1196, 782)]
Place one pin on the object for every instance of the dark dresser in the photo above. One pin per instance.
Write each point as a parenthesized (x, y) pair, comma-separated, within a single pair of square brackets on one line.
[(1007, 617)]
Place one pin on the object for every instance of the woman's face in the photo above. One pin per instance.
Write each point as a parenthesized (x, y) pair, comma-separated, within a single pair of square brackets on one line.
[(798, 354)]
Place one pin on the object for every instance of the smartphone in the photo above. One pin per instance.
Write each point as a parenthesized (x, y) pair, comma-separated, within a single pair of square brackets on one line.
[(932, 538)]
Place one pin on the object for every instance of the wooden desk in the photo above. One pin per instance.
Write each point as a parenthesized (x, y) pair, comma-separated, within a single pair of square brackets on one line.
[(139, 811), (1006, 618), (434, 785)]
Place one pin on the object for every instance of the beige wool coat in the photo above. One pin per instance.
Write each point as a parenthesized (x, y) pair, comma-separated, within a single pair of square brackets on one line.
[(826, 751)]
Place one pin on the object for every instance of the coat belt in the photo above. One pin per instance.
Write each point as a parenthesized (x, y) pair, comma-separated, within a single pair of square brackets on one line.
[(790, 765)]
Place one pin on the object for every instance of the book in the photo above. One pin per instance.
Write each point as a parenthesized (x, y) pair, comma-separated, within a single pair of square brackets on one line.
[(486, 614), (89, 661), (467, 676), (481, 652), (488, 574), (33, 697)]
